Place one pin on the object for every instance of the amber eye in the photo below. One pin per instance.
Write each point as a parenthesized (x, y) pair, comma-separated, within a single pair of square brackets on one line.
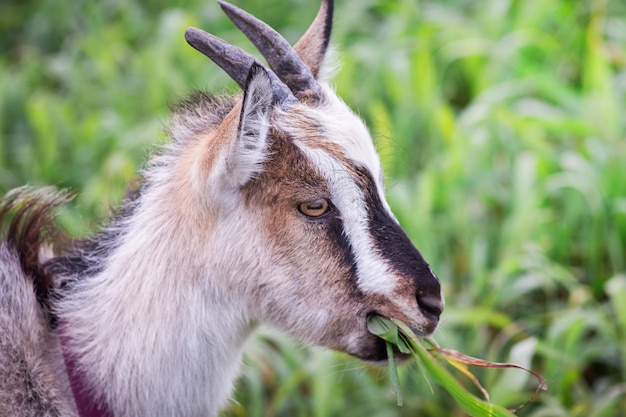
[(314, 208)]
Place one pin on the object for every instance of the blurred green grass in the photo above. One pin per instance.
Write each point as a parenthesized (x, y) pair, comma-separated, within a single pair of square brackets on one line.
[(502, 132)]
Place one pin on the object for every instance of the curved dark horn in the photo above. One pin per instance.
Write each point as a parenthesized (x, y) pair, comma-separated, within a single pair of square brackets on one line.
[(281, 57), (313, 44), (234, 61), (231, 59)]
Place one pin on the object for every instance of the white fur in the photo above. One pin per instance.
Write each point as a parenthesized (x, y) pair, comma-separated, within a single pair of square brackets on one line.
[(176, 268), (193, 339), (348, 131), (247, 153)]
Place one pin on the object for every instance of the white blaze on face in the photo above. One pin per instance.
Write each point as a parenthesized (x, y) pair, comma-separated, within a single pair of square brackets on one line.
[(373, 275), (345, 131)]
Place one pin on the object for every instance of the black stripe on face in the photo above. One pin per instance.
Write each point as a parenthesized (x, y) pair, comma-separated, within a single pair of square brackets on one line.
[(291, 176), (337, 236), (393, 244)]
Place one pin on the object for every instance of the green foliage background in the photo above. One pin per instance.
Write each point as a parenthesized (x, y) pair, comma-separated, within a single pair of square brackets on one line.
[(501, 128)]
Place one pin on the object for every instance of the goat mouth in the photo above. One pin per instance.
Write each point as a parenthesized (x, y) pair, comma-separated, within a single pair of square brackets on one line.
[(376, 353)]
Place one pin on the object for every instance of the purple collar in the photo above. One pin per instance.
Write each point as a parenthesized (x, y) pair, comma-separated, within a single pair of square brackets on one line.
[(86, 404)]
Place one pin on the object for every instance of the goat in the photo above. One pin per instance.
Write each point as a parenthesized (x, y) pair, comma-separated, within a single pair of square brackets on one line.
[(264, 207)]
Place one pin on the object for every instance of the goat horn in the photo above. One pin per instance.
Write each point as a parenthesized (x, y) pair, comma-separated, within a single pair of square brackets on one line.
[(234, 61), (280, 55), (313, 44)]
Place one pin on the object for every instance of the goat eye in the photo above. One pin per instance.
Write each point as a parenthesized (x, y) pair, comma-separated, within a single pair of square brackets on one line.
[(314, 208)]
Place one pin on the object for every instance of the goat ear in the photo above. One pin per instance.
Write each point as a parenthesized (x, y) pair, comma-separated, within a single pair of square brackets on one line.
[(249, 149), (313, 44)]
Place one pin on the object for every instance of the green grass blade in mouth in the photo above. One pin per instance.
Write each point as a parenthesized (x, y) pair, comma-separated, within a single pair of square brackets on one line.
[(396, 333), (387, 330), (393, 374)]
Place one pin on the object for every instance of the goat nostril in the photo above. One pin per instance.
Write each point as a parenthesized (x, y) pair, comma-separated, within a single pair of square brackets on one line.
[(431, 304)]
